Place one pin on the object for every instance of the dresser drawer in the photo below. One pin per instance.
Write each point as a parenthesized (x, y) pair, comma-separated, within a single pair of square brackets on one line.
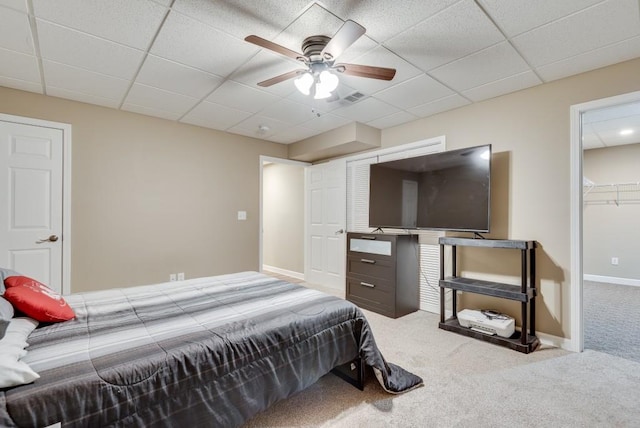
[(372, 290), (369, 266)]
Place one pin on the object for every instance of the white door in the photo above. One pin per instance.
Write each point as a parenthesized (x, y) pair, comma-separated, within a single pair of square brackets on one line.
[(31, 180), (326, 221)]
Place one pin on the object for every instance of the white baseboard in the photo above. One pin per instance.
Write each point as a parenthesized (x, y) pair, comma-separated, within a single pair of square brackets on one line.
[(558, 342), (292, 274), (612, 280)]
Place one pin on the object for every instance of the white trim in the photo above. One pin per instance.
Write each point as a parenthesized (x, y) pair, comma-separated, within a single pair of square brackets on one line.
[(66, 188), (292, 274), (555, 341), (401, 148), (577, 328), (613, 280), (269, 159)]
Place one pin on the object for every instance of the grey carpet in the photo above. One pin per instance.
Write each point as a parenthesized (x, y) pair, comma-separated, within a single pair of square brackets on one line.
[(469, 383), (611, 319)]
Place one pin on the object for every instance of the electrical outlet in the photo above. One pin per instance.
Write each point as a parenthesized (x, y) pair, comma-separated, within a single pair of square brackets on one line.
[(242, 215), (614, 261), (172, 277), (181, 276)]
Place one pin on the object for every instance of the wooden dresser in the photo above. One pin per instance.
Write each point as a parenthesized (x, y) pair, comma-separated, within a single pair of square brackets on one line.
[(383, 272)]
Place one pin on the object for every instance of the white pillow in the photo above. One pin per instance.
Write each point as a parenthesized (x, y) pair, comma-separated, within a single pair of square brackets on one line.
[(13, 371)]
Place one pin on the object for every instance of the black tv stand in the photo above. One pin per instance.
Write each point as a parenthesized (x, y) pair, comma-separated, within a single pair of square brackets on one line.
[(476, 235), (378, 229), (523, 341)]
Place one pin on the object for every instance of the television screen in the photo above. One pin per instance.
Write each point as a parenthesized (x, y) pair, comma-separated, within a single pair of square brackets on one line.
[(441, 191)]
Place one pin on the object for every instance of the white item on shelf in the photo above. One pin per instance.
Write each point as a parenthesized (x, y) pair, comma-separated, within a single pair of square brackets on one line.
[(503, 326)]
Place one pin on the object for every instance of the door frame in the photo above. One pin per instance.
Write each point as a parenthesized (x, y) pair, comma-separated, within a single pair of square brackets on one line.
[(576, 343), (262, 160), (66, 188)]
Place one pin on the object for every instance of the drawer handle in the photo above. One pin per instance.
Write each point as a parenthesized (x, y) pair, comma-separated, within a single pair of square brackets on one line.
[(372, 238), (366, 284), (371, 262)]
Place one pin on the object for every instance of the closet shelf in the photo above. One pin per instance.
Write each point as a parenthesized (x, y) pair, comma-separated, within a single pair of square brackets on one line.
[(616, 193)]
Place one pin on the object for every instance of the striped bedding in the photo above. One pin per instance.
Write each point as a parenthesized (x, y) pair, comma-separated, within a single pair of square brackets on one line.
[(204, 352)]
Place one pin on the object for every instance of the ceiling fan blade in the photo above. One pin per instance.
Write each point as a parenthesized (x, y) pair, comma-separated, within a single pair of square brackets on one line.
[(344, 37), (280, 78), (369, 71), (263, 43)]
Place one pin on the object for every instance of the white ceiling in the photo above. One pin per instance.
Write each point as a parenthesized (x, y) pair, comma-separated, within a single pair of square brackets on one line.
[(611, 126), (186, 60)]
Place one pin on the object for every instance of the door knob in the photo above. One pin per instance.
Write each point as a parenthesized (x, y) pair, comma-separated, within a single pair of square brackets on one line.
[(339, 232), (52, 238)]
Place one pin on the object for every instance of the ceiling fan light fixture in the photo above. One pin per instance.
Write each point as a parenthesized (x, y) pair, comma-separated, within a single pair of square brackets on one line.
[(304, 83), (327, 83)]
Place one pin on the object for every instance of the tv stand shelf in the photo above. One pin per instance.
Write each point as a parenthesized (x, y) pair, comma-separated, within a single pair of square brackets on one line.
[(525, 293)]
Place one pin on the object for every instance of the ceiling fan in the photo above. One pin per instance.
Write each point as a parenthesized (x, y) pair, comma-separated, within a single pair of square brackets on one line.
[(319, 56)]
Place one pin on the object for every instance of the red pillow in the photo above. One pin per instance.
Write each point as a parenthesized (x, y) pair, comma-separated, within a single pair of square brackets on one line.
[(37, 300)]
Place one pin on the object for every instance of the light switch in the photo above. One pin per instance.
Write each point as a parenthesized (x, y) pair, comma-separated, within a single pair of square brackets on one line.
[(242, 215)]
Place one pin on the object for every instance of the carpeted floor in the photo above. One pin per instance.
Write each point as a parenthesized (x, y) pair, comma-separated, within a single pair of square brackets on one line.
[(469, 383), (611, 319)]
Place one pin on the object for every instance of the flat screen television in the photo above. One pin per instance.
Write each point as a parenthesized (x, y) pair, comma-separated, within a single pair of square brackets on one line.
[(448, 190)]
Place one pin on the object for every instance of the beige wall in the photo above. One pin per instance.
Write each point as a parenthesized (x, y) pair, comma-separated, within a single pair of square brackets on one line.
[(610, 230), (529, 131), (153, 197), (283, 216)]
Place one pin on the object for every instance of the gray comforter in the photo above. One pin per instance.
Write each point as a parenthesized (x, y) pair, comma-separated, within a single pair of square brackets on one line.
[(203, 352)]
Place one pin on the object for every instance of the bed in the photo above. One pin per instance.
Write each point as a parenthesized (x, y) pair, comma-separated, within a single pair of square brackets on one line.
[(203, 352)]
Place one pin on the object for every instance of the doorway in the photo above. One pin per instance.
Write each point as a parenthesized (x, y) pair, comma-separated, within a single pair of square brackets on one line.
[(583, 117), (282, 216)]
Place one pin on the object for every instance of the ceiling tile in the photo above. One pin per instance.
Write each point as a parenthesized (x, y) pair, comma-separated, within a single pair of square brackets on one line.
[(264, 66), (215, 116), (612, 54), (392, 120), (132, 23), (381, 57), (590, 139), (413, 92), (171, 76), (503, 86), (15, 31), (20, 66), (326, 122), (83, 98), (241, 97), (384, 19), (595, 27), (613, 112), (23, 85), (19, 5), (488, 65), (517, 16), (366, 110), (314, 21), (288, 112), (293, 134), (148, 111), (82, 50), (83, 81), (449, 35), (241, 18), (259, 127), (198, 45), (438, 106), (609, 130), (147, 96)]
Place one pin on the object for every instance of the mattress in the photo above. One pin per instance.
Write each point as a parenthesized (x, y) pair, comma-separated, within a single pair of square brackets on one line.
[(203, 352)]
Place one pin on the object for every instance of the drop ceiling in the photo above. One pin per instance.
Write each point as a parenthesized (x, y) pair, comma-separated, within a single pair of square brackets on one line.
[(187, 61)]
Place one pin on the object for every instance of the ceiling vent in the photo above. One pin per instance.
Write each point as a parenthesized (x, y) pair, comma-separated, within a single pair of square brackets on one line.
[(353, 97)]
